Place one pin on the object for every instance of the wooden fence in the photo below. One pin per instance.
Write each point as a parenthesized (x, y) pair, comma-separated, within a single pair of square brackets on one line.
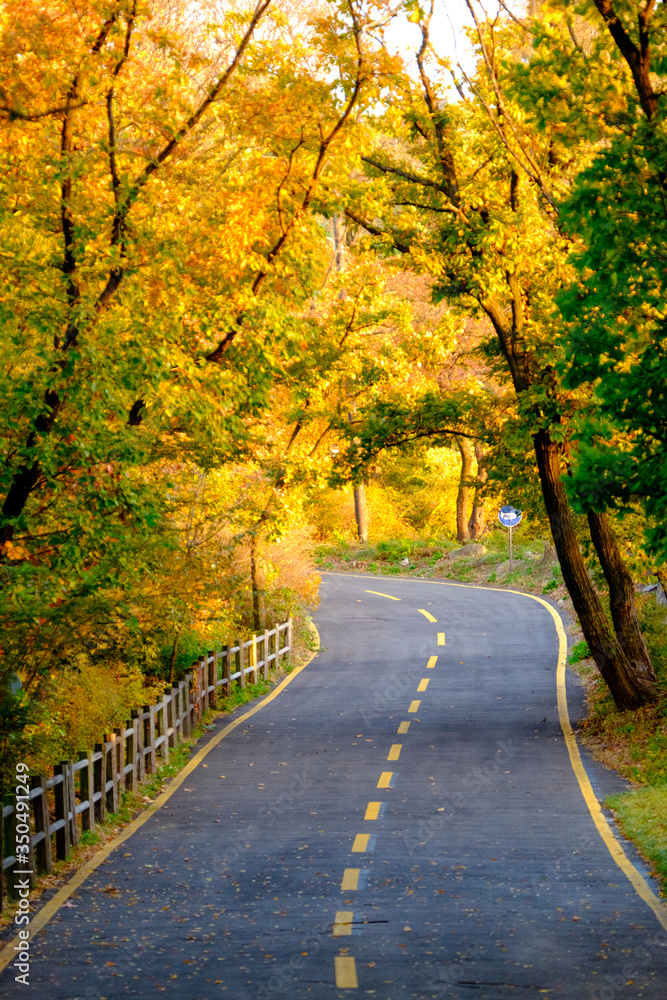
[(80, 794)]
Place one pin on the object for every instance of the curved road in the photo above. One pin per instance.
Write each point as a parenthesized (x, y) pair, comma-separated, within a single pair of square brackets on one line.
[(401, 821)]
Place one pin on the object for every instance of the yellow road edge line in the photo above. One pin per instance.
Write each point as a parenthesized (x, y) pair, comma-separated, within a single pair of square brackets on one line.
[(633, 875), (346, 972), (350, 881), (427, 614), (372, 810), (441, 638), (343, 922), (403, 728), (49, 909), (385, 779), (414, 706), (423, 684), (432, 660), (378, 594), (360, 844), (395, 751)]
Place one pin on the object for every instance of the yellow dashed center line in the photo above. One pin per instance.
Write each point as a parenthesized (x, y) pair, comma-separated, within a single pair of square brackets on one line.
[(350, 881), (378, 594), (346, 972), (345, 965), (343, 924)]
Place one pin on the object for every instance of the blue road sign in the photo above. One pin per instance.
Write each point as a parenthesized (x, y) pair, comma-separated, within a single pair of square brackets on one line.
[(509, 516)]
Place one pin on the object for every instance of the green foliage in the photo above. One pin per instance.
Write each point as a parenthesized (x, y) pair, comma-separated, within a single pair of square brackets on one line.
[(579, 651)]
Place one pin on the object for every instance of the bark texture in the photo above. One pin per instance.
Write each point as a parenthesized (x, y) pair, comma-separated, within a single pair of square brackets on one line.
[(478, 517), (463, 495), (621, 598), (361, 512), (630, 690)]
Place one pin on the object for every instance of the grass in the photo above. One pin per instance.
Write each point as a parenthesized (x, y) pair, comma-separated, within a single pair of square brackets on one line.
[(634, 744), (430, 559), (642, 817)]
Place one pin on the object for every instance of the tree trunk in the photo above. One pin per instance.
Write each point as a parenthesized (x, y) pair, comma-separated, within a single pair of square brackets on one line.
[(361, 512), (477, 517), (628, 689), (463, 495), (172, 659), (621, 597), (258, 609)]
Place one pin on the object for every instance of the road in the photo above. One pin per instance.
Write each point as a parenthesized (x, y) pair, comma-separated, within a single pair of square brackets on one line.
[(403, 820)]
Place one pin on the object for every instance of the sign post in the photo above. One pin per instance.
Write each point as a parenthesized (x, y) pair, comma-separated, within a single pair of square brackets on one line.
[(509, 516)]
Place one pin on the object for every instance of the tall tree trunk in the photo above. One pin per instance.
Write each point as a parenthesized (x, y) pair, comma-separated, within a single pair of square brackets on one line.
[(621, 597), (477, 517), (172, 658), (361, 512), (463, 495), (629, 689), (256, 575)]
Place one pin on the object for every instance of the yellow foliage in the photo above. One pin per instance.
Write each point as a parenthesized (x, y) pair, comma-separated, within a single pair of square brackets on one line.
[(80, 704)]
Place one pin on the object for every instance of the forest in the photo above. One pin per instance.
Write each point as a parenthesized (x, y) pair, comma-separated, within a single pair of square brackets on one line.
[(270, 283)]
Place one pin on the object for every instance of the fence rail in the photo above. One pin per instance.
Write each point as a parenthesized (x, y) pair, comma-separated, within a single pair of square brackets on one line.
[(78, 795)]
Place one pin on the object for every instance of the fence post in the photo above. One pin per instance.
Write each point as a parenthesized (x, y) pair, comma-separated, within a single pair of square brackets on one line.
[(8, 840), (168, 699), (150, 709), (41, 813), (130, 740), (204, 686), (138, 725), (290, 638), (276, 644), (100, 779), (119, 761), (241, 662), (71, 793), (110, 771), (88, 815), (265, 668), (252, 650), (61, 802), (227, 664), (213, 678), (176, 713), (164, 727), (186, 699), (181, 710)]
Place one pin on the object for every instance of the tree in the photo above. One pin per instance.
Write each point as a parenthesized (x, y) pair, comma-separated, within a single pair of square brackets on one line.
[(158, 244), (488, 179)]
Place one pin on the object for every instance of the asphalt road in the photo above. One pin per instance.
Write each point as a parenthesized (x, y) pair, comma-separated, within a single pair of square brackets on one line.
[(401, 821)]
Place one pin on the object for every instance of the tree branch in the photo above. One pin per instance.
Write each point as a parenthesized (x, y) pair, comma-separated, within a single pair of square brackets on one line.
[(374, 231), (638, 59)]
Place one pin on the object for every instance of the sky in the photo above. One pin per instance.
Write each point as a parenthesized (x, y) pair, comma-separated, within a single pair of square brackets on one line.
[(447, 36)]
